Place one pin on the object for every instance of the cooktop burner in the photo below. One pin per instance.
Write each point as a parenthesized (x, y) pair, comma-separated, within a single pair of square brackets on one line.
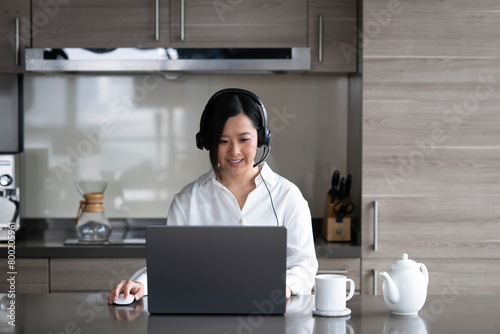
[(117, 238)]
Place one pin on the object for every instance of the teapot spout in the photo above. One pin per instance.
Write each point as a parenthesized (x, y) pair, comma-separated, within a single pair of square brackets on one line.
[(391, 292)]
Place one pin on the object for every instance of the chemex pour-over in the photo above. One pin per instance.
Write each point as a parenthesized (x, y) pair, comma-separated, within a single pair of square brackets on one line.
[(91, 222)]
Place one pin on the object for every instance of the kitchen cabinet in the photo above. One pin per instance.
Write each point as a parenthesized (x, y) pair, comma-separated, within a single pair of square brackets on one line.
[(149, 23), (332, 36), (101, 24), (429, 138), (15, 34), (245, 24), (30, 276), (446, 276), (91, 274)]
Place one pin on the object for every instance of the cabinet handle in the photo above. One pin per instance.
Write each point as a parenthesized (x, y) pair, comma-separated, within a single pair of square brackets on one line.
[(18, 62), (375, 278), (320, 39), (157, 20), (182, 20), (375, 226), (332, 271)]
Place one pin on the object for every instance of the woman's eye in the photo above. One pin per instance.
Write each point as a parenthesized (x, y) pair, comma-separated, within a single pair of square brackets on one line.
[(244, 139), (222, 141)]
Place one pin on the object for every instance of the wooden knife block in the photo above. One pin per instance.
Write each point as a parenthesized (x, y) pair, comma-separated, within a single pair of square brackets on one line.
[(332, 229)]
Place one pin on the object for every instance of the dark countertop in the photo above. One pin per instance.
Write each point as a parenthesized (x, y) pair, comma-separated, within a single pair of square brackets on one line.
[(82, 313), (47, 238)]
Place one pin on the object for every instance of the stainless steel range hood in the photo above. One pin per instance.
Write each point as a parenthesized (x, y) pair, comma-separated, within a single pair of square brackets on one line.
[(168, 60)]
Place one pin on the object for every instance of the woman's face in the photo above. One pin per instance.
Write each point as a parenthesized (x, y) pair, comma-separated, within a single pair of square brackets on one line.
[(237, 146)]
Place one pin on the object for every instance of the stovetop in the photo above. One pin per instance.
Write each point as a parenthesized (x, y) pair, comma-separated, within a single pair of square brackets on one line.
[(117, 238)]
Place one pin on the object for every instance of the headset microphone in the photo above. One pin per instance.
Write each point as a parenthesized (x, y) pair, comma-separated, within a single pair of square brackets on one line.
[(264, 155)]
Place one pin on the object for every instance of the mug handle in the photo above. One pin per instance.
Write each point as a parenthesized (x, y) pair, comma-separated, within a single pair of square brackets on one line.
[(351, 291), (351, 330)]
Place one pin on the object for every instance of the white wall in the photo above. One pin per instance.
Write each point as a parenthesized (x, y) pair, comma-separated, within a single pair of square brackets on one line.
[(137, 132)]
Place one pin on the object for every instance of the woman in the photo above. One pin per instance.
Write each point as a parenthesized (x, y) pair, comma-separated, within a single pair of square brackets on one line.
[(238, 191)]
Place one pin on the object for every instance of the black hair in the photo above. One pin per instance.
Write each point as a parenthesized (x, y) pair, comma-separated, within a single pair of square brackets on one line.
[(217, 112)]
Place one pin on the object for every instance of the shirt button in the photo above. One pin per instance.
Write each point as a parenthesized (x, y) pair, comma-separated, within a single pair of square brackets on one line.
[(240, 222)]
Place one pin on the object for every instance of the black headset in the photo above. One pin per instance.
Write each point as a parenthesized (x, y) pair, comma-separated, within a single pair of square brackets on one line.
[(263, 133)]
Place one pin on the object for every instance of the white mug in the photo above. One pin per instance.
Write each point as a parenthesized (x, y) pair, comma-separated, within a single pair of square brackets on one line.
[(331, 292)]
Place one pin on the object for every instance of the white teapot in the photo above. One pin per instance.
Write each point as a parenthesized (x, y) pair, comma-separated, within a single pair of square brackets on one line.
[(405, 286)]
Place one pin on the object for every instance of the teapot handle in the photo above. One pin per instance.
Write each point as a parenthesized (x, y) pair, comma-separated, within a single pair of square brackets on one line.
[(423, 269)]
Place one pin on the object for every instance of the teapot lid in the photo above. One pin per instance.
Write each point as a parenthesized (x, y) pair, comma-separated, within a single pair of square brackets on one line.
[(404, 263)]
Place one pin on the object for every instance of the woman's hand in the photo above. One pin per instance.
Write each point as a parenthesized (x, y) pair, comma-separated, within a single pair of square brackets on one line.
[(126, 287)]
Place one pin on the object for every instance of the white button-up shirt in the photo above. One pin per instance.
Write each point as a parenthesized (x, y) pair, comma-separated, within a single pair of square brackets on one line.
[(206, 201)]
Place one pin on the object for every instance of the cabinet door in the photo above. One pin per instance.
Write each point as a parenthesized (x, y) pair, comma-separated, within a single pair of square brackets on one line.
[(226, 24), (32, 276), (332, 35), (14, 34), (100, 23), (90, 275), (429, 227), (446, 276)]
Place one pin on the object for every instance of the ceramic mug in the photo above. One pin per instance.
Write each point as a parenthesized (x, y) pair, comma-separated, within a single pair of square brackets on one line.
[(331, 292)]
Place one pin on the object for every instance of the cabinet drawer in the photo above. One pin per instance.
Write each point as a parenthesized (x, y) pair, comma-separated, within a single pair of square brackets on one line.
[(348, 267), (446, 276), (90, 275), (32, 276)]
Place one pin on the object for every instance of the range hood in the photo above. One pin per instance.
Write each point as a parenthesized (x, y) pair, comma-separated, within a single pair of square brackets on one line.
[(169, 60)]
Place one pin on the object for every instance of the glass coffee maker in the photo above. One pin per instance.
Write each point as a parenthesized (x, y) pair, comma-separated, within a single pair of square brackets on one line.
[(91, 222)]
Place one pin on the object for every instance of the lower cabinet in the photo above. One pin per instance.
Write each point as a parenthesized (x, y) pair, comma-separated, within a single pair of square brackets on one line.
[(28, 276), (351, 268), (446, 276), (90, 275)]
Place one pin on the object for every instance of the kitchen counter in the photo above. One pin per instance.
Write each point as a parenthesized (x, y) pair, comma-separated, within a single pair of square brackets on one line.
[(49, 239), (83, 313)]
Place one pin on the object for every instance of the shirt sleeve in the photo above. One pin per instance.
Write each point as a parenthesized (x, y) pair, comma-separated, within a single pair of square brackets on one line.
[(140, 276), (302, 264), (177, 216)]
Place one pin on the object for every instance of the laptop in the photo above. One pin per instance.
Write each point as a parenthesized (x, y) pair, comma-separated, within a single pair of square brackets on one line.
[(216, 269)]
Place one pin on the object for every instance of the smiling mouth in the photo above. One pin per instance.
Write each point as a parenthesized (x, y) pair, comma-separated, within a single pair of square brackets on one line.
[(235, 161)]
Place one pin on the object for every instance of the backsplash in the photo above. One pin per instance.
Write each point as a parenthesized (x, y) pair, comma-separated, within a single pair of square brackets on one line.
[(137, 132)]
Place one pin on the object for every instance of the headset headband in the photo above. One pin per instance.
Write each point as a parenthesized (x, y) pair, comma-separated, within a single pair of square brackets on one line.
[(264, 135)]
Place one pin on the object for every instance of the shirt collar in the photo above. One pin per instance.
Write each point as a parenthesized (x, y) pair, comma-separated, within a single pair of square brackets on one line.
[(267, 174)]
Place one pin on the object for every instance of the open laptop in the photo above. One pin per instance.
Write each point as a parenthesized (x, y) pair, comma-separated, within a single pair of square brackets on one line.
[(216, 269)]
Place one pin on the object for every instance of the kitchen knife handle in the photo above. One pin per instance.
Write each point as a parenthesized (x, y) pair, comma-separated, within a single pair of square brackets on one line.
[(375, 226), (320, 39), (18, 62), (183, 14), (157, 20), (375, 281)]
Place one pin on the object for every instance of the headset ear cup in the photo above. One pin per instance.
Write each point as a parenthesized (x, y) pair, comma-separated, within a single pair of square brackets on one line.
[(199, 141), (260, 137), (264, 137)]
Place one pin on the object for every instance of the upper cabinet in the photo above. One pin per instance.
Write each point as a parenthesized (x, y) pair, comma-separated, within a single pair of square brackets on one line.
[(14, 34), (101, 24), (176, 23), (332, 35), (229, 23)]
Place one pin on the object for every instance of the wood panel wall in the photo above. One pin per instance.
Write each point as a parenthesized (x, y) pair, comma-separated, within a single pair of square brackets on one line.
[(431, 138)]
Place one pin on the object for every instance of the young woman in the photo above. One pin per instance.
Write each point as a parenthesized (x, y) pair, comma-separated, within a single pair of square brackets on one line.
[(238, 191)]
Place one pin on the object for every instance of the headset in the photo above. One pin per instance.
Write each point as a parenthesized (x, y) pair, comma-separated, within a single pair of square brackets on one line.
[(263, 133)]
